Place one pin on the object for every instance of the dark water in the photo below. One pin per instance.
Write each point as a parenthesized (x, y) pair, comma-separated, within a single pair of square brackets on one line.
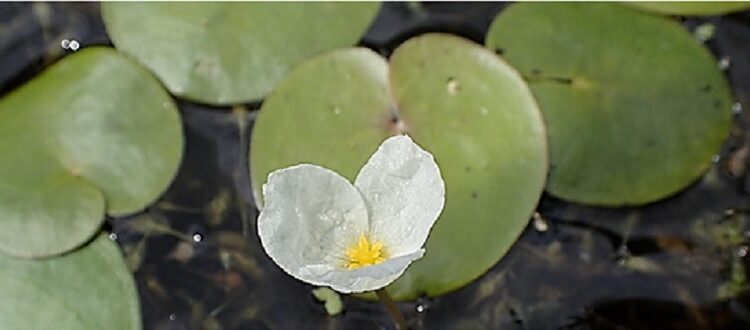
[(676, 264)]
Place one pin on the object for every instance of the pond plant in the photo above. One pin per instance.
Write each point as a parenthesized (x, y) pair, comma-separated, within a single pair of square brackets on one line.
[(353, 238), (408, 172), (325, 231)]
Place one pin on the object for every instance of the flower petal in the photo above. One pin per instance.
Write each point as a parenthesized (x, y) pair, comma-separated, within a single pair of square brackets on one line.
[(404, 192), (311, 215), (361, 279)]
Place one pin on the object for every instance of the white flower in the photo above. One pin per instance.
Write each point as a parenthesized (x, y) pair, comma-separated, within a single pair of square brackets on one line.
[(323, 230)]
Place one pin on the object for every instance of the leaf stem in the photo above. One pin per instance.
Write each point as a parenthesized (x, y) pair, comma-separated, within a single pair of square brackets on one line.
[(390, 306)]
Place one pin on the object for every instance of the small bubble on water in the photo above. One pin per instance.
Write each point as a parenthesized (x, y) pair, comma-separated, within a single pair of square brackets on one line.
[(742, 251), (172, 317), (197, 237), (724, 63), (70, 44), (420, 308), (113, 236), (716, 158), (737, 107)]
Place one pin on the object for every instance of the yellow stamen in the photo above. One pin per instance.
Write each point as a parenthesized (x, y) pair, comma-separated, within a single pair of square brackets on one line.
[(364, 253)]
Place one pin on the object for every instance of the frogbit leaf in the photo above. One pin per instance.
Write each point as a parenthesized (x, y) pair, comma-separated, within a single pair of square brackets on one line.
[(231, 52), (87, 289), (94, 133), (458, 101), (635, 107)]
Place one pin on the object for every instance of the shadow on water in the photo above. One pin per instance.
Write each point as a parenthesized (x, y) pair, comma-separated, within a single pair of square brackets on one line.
[(680, 263)]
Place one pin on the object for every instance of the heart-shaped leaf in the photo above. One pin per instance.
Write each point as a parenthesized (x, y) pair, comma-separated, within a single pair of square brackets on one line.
[(457, 100), (225, 53), (634, 105), (87, 289), (94, 133)]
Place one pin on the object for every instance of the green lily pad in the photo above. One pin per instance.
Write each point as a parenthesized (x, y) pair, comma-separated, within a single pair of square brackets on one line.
[(226, 53), (87, 289), (94, 133), (695, 8), (454, 98), (635, 107)]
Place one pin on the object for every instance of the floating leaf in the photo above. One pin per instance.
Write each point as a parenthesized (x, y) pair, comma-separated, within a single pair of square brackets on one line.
[(225, 53), (94, 133), (457, 100), (635, 107), (89, 288), (693, 8)]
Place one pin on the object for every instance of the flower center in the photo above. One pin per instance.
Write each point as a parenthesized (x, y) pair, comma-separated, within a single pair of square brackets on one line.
[(364, 253)]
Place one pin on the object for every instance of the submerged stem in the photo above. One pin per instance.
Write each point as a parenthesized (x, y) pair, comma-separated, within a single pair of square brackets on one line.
[(390, 306)]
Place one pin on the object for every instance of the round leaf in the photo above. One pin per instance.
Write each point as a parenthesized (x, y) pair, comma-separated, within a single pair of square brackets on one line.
[(93, 133), (692, 8), (225, 53), (89, 288), (457, 100), (634, 106)]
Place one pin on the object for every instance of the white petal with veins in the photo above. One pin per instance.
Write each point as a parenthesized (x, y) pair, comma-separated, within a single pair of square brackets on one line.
[(311, 215), (322, 230), (404, 192)]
